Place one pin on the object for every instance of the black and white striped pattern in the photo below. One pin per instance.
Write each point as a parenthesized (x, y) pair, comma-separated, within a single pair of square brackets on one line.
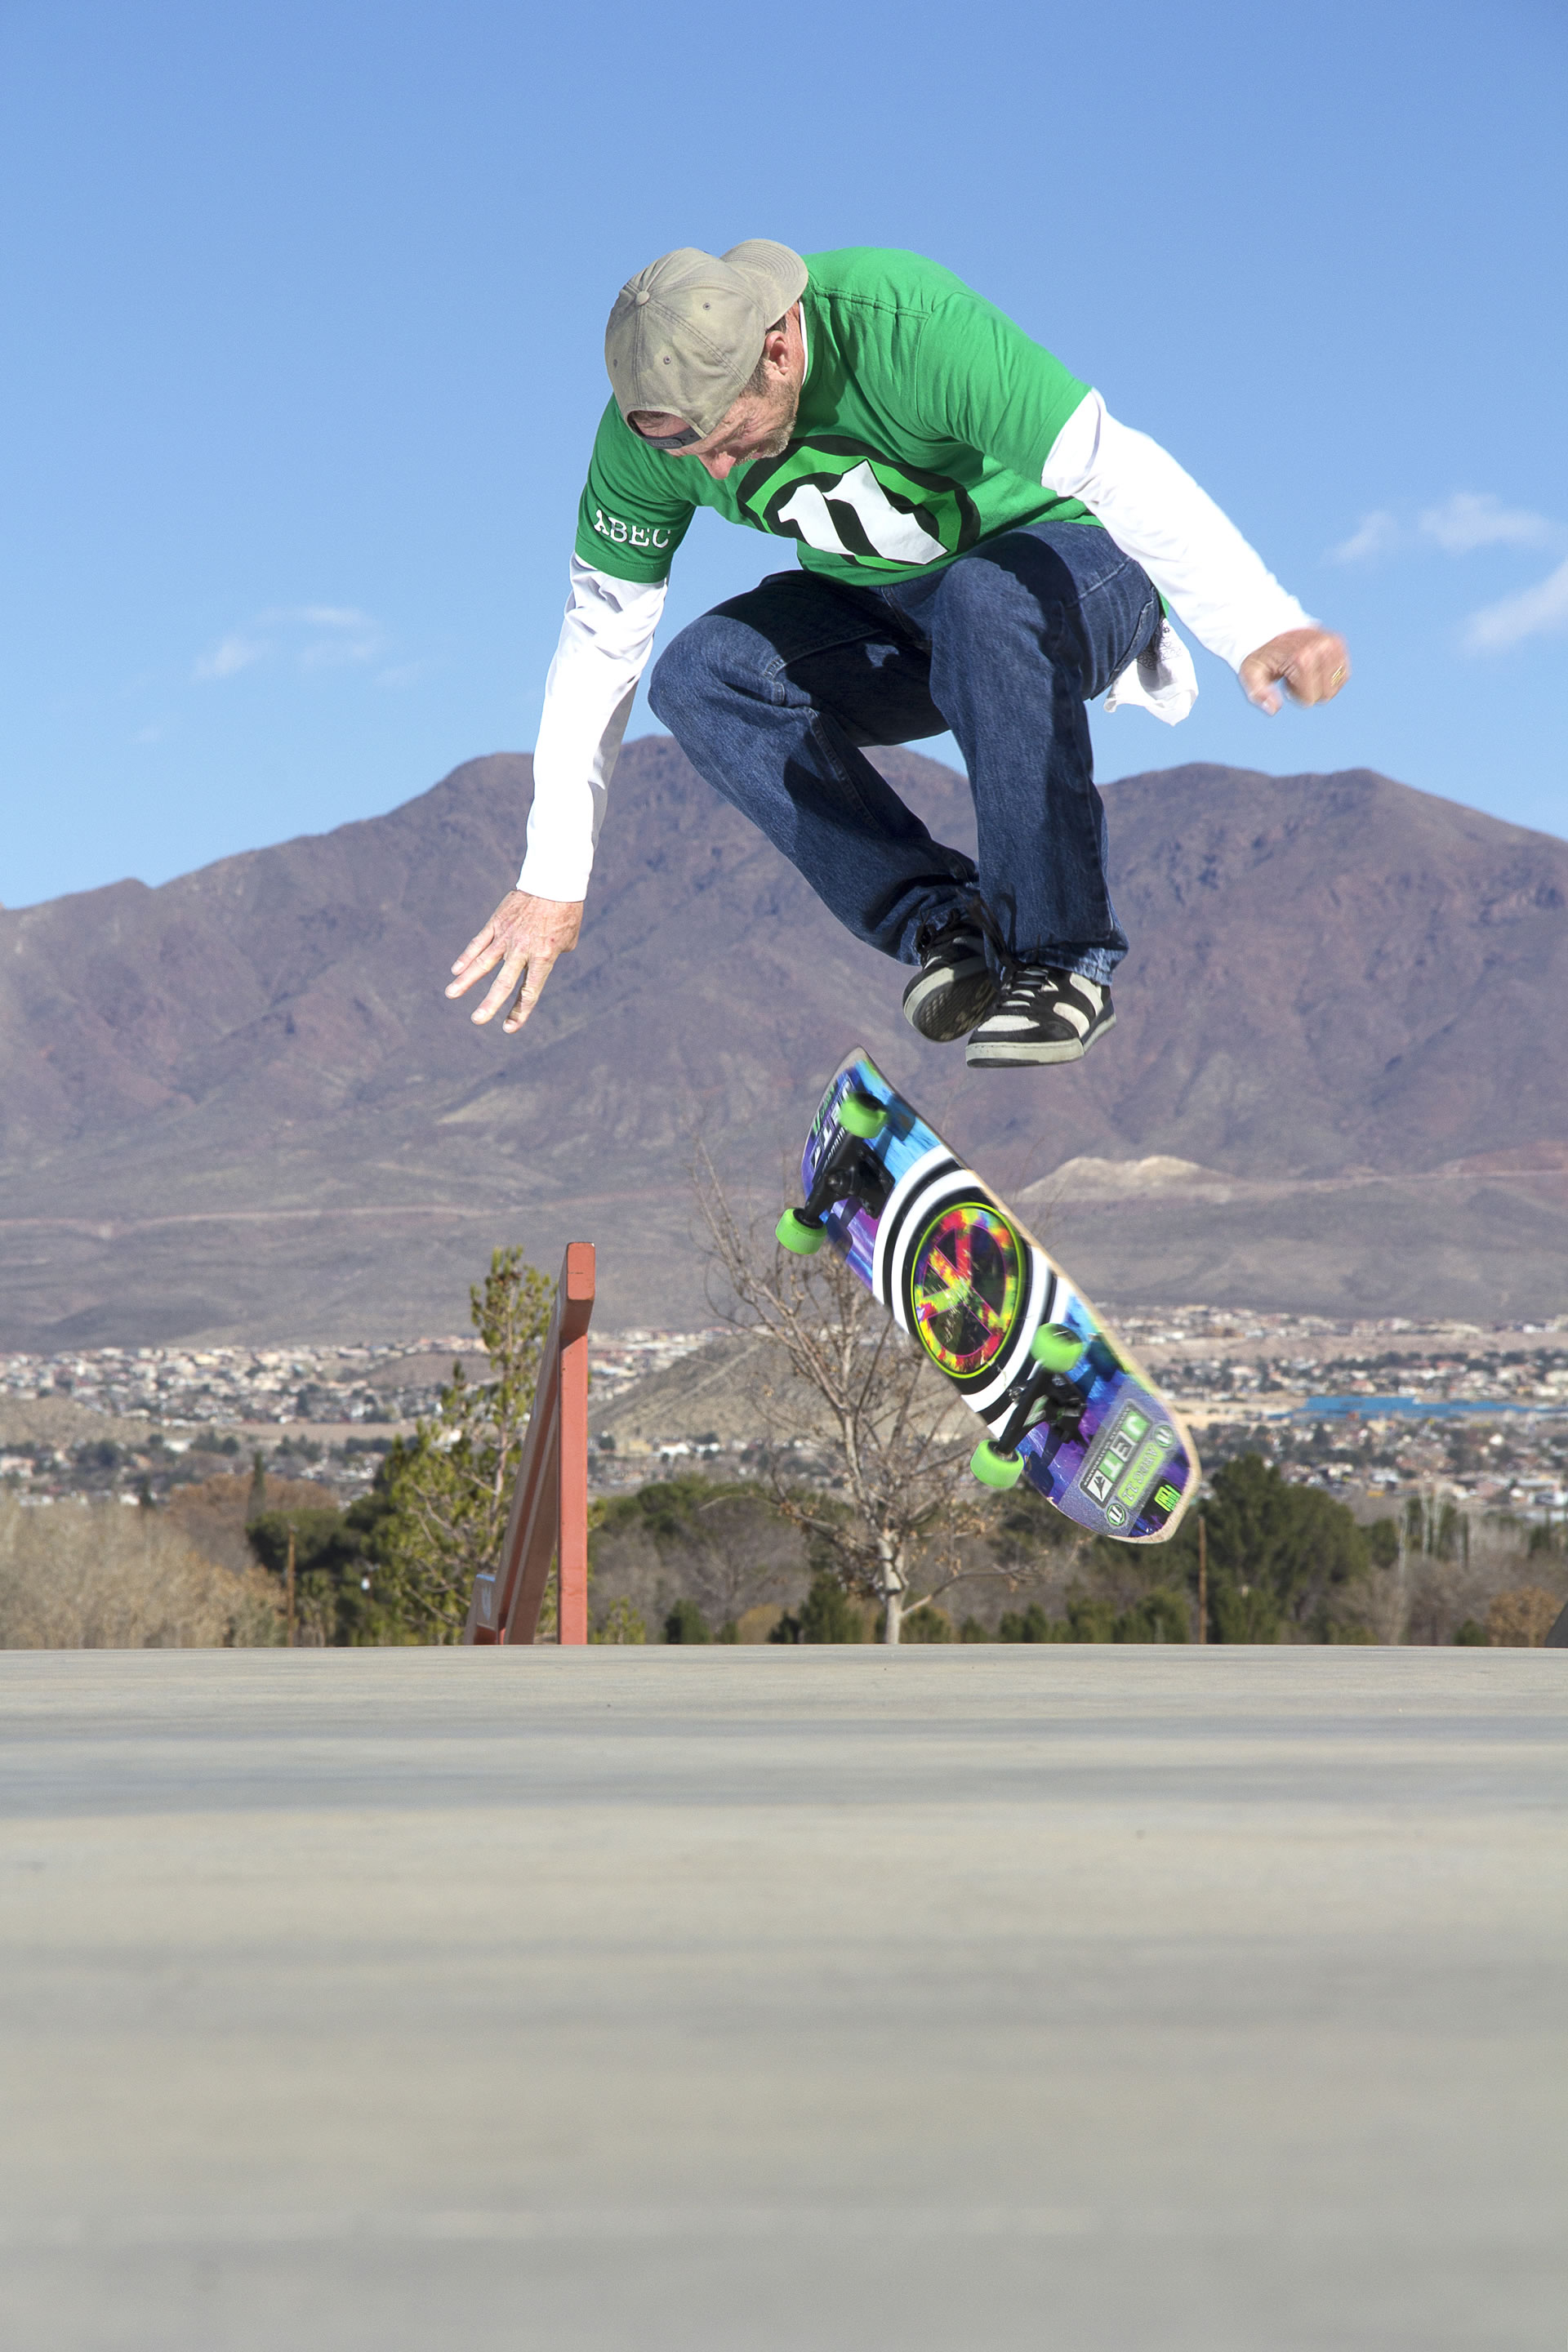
[(1041, 1016)]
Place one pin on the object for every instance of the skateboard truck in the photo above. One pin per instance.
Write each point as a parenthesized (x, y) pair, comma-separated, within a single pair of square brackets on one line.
[(847, 1172), (1044, 1394)]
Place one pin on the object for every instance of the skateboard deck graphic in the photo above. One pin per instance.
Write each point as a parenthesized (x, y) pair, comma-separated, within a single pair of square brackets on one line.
[(1066, 1406)]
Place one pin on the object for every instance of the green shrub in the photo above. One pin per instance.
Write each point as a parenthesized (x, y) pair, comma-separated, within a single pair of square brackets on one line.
[(1160, 1616), (1281, 1558), (686, 1623), (1030, 1624), (335, 1598), (441, 1498), (1383, 1542), (1242, 1612), (620, 1623), (1090, 1620), (826, 1614)]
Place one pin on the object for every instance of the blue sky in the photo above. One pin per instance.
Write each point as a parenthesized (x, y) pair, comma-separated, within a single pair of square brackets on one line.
[(303, 307)]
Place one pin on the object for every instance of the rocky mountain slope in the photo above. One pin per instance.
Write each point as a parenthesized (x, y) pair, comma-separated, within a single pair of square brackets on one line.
[(239, 1105)]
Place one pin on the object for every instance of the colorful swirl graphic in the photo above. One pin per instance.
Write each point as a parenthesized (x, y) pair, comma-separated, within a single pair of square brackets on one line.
[(966, 1279)]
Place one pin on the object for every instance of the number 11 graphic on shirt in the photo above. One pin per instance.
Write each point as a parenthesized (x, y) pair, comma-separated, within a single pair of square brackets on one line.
[(843, 499), (1064, 1403)]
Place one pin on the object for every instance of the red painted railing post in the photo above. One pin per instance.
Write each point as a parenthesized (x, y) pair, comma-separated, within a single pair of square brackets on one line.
[(572, 1445), (549, 1516)]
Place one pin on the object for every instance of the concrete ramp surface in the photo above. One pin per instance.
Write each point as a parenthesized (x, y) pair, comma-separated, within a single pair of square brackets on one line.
[(1098, 1999)]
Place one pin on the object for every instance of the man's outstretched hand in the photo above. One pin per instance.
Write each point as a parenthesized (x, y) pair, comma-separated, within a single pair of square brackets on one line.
[(524, 936), (1312, 664)]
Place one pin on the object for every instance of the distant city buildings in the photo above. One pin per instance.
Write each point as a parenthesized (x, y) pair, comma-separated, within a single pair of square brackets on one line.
[(1477, 1416), (1369, 1408), (328, 1413)]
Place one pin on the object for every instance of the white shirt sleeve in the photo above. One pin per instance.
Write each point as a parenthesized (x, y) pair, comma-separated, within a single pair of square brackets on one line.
[(1157, 514), (605, 640)]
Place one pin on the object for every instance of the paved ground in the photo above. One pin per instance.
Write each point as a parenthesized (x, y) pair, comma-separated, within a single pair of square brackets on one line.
[(1061, 1997)]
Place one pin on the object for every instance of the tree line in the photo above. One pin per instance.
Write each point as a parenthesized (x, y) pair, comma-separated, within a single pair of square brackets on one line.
[(864, 1524)]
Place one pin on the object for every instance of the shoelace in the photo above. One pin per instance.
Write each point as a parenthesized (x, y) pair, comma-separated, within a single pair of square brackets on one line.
[(1014, 977), (1008, 964), (931, 934), (1028, 982)]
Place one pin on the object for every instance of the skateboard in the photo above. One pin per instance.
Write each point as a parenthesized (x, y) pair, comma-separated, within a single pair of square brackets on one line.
[(1066, 1405)]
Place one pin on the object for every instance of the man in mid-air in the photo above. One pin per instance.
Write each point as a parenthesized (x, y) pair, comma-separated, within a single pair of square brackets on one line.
[(983, 548)]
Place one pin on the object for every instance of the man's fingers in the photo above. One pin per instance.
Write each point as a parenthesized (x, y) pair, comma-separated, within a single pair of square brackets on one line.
[(528, 995), (1320, 674), (481, 940), (470, 967), (1257, 676), (501, 986)]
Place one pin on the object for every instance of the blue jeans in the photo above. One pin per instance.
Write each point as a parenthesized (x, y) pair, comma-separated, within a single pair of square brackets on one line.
[(773, 695)]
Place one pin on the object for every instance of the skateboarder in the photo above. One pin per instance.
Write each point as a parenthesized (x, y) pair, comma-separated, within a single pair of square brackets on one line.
[(982, 548)]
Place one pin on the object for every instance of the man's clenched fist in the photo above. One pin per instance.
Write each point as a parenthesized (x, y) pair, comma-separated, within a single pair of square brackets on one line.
[(1312, 664)]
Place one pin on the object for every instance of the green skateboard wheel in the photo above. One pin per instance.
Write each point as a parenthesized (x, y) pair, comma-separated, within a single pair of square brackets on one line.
[(862, 1116), (793, 1234), (1055, 1347), (994, 1468)]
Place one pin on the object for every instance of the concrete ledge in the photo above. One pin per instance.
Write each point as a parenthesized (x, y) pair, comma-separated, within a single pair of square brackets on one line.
[(972, 1997)]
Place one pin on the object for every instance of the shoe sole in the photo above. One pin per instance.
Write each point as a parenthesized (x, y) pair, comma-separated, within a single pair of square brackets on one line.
[(953, 1002), (1000, 1053)]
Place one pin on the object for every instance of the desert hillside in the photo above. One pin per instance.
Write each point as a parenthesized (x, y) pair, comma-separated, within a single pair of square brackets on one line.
[(240, 1104)]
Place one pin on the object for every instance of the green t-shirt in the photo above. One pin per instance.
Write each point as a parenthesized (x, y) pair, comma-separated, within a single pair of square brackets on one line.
[(925, 419)]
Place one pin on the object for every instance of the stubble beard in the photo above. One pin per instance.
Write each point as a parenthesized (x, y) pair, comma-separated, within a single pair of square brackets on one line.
[(782, 432)]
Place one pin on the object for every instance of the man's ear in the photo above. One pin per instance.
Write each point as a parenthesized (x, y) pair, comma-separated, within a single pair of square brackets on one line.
[(776, 343)]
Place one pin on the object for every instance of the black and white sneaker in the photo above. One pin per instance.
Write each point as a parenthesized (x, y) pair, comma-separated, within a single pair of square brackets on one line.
[(954, 987), (1041, 1016)]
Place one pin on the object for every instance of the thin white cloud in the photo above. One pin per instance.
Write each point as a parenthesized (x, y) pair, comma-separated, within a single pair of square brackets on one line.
[(230, 656), (330, 636), (1468, 520), (1374, 536), (1538, 612), (312, 636), (333, 617)]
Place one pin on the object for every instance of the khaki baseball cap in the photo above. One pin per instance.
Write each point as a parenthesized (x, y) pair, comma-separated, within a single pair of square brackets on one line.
[(687, 332)]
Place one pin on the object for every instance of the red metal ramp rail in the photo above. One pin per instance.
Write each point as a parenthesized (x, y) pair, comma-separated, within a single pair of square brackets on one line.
[(548, 1516)]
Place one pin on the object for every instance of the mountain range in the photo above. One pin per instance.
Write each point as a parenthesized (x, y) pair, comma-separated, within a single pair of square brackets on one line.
[(238, 1106)]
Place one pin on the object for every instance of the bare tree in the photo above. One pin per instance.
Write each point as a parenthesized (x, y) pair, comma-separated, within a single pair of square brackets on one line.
[(1521, 1620), (104, 1578), (849, 1381), (724, 1547), (740, 1556)]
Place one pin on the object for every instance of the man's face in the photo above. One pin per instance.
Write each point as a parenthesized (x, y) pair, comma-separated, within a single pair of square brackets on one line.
[(758, 424)]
